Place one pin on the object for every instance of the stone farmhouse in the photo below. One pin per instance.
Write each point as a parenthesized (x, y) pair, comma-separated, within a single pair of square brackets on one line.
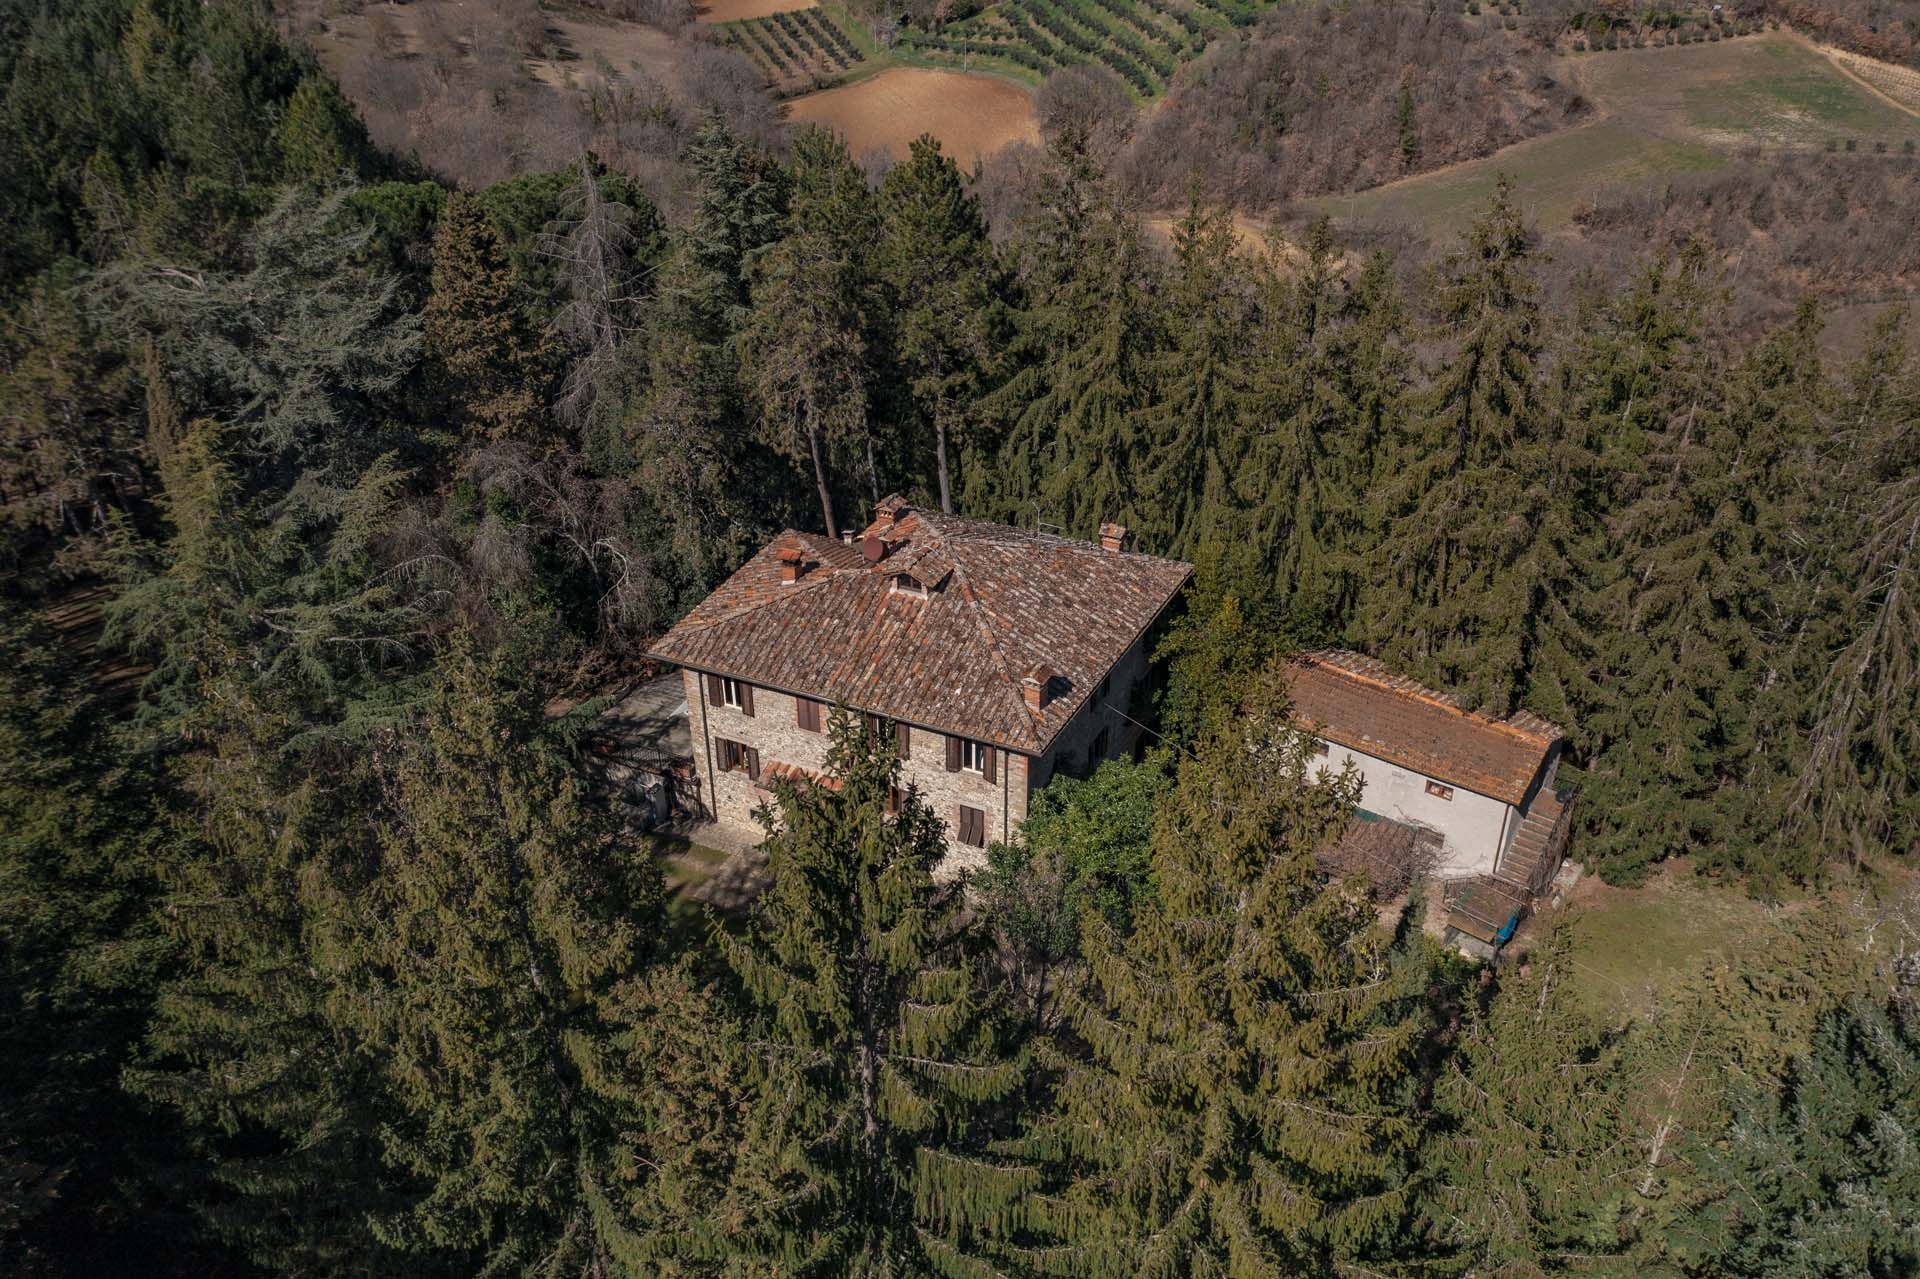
[(994, 656), (1479, 790)]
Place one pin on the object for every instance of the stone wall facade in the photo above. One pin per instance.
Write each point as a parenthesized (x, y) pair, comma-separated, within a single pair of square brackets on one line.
[(774, 730), (731, 797)]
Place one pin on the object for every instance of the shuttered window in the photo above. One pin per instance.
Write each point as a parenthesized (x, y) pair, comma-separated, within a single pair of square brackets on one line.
[(973, 826), (806, 713), (736, 757)]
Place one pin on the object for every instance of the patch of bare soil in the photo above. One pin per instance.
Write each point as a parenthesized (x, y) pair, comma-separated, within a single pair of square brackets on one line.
[(734, 10), (972, 115), (623, 45)]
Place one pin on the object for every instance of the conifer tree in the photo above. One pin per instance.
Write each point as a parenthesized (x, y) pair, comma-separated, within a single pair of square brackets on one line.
[(299, 352), (501, 914), (488, 360), (1858, 785), (600, 246), (940, 275), (1084, 338), (1534, 1152), (321, 138), (1234, 1097), (804, 348), (1453, 589), (1821, 1177), (242, 1045), (1191, 432), (1313, 406), (874, 1050)]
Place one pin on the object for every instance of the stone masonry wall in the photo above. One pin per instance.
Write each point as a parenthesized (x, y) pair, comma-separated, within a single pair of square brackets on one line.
[(1071, 746), (774, 730)]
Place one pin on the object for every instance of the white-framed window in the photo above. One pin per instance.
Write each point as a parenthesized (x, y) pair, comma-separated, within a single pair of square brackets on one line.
[(730, 692), (973, 757)]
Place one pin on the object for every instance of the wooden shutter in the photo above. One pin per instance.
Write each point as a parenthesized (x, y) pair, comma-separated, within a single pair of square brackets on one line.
[(953, 754), (753, 763), (903, 740), (713, 690), (986, 762), (746, 698)]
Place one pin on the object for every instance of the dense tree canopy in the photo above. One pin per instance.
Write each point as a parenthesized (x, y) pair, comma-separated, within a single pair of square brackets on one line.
[(332, 493)]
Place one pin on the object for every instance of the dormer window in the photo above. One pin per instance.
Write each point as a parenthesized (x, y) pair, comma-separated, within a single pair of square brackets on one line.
[(908, 584)]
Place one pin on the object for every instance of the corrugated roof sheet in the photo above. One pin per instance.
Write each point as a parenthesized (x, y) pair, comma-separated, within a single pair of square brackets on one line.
[(1000, 600), (1361, 704)]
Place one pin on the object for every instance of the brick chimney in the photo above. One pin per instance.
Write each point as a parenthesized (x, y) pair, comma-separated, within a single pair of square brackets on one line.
[(792, 564), (1111, 536), (1036, 684)]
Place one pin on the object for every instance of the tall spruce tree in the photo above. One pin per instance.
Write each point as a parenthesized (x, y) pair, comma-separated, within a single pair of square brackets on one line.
[(804, 347), (1235, 1096), (1533, 1153), (940, 274), (1857, 785), (1191, 431), (473, 959), (1084, 336), (1453, 589), (875, 1050)]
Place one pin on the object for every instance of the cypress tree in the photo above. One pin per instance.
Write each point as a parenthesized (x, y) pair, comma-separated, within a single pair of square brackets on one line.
[(1234, 1095), (875, 1051)]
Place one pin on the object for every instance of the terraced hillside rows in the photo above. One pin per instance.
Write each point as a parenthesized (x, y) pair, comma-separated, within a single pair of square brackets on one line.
[(797, 51), (1142, 40)]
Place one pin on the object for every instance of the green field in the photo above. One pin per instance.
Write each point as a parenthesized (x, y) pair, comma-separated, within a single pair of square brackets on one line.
[(1554, 175), (1663, 111)]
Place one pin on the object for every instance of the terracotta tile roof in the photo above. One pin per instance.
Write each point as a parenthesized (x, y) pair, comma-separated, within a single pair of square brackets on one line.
[(998, 601), (1361, 704)]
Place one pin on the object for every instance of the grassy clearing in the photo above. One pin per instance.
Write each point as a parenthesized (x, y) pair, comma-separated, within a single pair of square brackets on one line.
[(1664, 111), (1634, 948), (1554, 176)]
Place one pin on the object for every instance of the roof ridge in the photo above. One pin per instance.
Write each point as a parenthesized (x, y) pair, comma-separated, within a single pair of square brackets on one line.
[(1421, 693)]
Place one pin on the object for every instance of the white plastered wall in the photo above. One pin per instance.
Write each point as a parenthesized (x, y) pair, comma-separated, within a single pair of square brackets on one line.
[(1473, 825)]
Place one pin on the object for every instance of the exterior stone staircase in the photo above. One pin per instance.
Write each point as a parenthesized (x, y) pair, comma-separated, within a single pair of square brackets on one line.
[(1488, 909)]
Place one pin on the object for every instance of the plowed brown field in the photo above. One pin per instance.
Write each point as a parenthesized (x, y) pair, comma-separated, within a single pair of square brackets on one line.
[(972, 115)]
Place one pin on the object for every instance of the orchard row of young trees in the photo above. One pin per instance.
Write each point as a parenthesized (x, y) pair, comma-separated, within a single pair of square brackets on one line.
[(321, 954)]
